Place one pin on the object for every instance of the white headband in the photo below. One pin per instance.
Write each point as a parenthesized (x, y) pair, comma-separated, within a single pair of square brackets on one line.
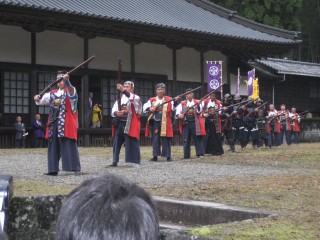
[(130, 82)]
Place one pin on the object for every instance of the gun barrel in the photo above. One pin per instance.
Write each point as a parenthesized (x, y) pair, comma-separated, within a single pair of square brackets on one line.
[(195, 89), (72, 71)]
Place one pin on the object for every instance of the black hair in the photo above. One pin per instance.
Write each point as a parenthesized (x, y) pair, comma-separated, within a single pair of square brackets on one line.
[(108, 207)]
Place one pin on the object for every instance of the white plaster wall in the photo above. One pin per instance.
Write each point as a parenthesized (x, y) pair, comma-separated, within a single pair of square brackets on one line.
[(107, 52), (233, 82), (188, 65), (59, 48), (153, 58), (15, 44), (216, 56)]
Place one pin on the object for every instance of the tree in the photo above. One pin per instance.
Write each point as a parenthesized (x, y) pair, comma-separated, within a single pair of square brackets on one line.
[(277, 13), (310, 25), (294, 15)]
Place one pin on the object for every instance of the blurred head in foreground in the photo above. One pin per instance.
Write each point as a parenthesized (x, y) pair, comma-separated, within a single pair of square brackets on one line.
[(108, 207)]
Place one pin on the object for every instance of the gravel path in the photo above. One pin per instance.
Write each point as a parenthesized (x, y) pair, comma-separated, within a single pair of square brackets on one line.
[(32, 167)]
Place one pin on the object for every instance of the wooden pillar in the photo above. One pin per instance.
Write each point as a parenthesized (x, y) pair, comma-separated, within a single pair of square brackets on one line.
[(84, 87), (174, 49), (203, 89), (174, 71), (228, 85), (33, 91), (84, 106), (85, 95), (132, 44), (202, 51), (84, 100), (132, 58), (33, 48), (33, 78), (33, 86)]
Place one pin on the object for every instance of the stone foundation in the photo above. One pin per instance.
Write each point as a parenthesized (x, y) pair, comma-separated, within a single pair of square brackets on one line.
[(310, 130), (35, 217)]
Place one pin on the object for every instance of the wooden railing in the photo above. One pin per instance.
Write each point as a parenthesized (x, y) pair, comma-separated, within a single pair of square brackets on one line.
[(7, 137), (95, 138), (102, 138)]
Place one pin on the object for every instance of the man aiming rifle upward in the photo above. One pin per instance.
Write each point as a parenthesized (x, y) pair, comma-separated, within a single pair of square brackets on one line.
[(62, 126)]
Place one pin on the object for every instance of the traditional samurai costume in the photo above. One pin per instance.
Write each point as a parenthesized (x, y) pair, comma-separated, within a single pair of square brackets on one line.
[(273, 128), (160, 126), (213, 127), (193, 126), (127, 129), (62, 130)]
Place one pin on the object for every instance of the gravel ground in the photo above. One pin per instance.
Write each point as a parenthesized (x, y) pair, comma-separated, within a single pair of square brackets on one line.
[(149, 174)]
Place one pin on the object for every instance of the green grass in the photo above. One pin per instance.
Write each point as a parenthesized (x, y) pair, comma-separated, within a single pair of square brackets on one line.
[(261, 229), (26, 188)]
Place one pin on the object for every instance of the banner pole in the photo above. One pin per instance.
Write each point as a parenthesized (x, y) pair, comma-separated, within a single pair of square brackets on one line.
[(237, 81), (221, 80)]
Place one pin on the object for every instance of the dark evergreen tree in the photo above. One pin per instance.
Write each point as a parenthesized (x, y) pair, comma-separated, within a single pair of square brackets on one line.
[(295, 15), (310, 28), (277, 13)]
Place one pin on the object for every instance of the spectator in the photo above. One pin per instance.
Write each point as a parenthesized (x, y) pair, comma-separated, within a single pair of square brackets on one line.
[(39, 129), (88, 118), (101, 120), (20, 133), (96, 116), (108, 207)]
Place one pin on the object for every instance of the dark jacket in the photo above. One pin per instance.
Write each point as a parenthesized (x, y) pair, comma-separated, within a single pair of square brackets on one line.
[(38, 130), (19, 127)]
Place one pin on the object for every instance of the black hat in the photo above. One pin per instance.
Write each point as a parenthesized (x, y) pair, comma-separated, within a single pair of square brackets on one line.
[(189, 89), (61, 73)]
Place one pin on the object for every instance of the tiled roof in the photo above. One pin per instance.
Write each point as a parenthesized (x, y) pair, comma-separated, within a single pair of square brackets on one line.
[(282, 66), (198, 16)]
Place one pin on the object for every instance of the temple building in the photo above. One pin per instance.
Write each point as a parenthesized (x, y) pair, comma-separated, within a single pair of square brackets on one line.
[(158, 41), (294, 83)]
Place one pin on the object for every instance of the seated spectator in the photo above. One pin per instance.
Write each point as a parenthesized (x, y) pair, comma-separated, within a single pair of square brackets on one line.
[(108, 207)]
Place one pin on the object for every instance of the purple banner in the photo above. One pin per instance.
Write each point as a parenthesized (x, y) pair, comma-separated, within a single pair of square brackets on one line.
[(214, 76), (251, 76), (238, 82)]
